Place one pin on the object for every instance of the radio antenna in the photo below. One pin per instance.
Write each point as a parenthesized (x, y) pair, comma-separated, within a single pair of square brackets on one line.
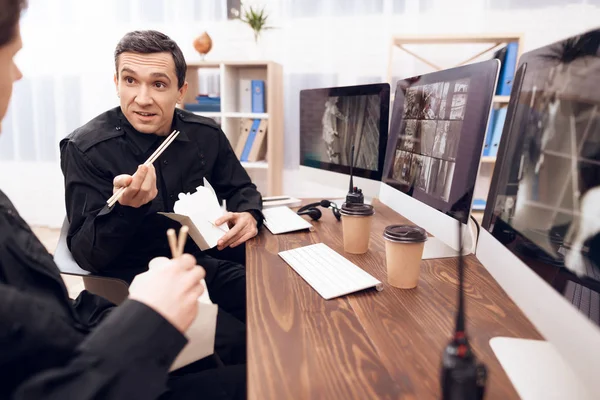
[(350, 189)]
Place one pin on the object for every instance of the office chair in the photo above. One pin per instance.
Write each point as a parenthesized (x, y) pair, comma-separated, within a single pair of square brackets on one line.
[(113, 289)]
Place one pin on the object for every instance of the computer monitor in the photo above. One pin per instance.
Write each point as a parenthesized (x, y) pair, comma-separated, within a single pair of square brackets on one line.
[(544, 204), (436, 139), (332, 120)]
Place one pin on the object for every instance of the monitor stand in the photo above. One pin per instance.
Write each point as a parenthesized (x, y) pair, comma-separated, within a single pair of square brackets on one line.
[(436, 248), (536, 370)]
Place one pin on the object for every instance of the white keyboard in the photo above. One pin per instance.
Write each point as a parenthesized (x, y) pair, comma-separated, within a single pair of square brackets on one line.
[(329, 273), (283, 219)]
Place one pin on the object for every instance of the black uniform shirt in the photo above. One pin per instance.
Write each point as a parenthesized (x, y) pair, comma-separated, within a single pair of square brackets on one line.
[(54, 348), (120, 241)]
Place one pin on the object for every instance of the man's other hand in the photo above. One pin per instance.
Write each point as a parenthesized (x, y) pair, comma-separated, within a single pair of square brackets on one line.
[(141, 187), (242, 226)]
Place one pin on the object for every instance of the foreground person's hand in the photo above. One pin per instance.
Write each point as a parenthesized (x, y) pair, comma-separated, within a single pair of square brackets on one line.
[(171, 291)]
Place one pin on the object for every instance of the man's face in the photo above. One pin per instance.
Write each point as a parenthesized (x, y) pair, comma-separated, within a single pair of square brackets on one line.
[(9, 73), (147, 87)]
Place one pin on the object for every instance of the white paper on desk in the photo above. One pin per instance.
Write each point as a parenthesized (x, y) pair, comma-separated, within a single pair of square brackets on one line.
[(282, 220), (199, 211), (201, 334)]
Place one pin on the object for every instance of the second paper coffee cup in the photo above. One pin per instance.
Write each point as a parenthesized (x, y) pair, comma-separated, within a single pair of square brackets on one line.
[(356, 226), (403, 252)]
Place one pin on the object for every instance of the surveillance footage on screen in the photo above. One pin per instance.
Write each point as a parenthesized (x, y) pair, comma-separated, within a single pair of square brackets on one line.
[(429, 136), (345, 121)]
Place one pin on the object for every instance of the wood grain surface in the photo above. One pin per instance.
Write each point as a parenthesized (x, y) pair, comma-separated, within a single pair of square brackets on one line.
[(367, 345)]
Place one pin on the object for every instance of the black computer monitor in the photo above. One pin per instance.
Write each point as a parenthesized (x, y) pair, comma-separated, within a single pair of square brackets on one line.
[(436, 135), (334, 119), (544, 202)]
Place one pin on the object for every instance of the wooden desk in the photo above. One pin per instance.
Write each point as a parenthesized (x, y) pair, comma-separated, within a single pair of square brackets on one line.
[(368, 345)]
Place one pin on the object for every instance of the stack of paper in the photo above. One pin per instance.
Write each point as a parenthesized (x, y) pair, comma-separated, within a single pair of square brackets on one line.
[(283, 219), (277, 201)]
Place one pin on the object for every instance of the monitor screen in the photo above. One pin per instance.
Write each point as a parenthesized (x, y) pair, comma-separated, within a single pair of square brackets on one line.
[(436, 135), (334, 119), (545, 199)]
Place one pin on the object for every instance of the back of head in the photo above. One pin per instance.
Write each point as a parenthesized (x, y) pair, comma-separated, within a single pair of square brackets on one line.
[(148, 42), (10, 44), (10, 13)]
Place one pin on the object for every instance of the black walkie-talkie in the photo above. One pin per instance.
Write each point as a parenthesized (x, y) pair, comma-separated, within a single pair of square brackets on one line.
[(355, 195), (462, 378)]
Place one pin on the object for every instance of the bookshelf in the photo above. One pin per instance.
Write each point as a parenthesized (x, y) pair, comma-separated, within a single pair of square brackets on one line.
[(255, 165), (501, 99), (267, 174), (488, 159), (493, 42)]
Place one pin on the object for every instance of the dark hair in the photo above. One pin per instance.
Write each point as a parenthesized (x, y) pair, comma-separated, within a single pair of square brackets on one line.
[(9, 18), (582, 45), (147, 42)]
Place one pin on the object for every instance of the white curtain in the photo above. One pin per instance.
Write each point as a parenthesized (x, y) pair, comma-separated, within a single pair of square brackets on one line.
[(68, 64), (68, 67)]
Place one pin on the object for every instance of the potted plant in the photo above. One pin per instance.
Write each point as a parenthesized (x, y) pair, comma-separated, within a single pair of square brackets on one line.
[(256, 18)]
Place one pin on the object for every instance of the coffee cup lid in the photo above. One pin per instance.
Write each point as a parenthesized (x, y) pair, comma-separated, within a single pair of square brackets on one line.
[(405, 234), (357, 209)]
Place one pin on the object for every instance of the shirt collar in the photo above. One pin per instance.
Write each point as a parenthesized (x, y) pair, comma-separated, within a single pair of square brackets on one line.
[(145, 141)]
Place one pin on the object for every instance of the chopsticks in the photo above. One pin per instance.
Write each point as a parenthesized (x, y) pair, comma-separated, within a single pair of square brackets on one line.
[(177, 245), (217, 226), (117, 195)]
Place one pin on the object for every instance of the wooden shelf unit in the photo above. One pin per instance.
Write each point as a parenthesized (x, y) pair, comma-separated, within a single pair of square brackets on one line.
[(266, 174), (495, 42), (501, 99)]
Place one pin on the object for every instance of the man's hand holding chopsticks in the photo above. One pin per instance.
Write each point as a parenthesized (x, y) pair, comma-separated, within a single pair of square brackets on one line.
[(140, 188)]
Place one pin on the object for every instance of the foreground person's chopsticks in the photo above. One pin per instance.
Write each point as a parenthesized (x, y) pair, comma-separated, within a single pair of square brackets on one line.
[(177, 244)]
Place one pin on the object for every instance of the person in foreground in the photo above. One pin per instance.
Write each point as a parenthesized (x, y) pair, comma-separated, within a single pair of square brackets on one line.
[(52, 347), (109, 152)]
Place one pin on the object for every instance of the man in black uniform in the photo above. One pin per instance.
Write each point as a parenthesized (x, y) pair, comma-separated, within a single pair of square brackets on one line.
[(120, 241), (54, 348)]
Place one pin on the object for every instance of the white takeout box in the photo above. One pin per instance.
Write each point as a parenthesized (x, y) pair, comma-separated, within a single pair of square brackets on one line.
[(199, 211)]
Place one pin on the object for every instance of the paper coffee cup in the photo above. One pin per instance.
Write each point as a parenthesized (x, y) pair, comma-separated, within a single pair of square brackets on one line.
[(403, 252), (356, 226)]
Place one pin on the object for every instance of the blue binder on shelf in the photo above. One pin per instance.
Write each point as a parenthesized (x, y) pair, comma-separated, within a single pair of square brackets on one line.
[(497, 133), (196, 107), (478, 204), (507, 72), (258, 96), (488, 136), (204, 104), (250, 140)]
